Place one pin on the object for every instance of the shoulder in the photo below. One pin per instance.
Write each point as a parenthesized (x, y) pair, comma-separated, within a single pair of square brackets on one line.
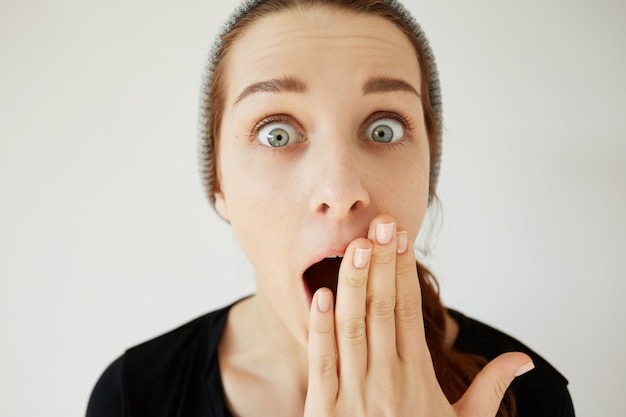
[(202, 332), (107, 396), (158, 368), (541, 392)]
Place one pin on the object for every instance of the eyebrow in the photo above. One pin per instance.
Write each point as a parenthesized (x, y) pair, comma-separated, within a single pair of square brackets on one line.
[(292, 84), (387, 84), (283, 84)]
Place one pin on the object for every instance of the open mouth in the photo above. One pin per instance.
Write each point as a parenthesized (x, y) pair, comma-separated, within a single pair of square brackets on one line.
[(322, 274)]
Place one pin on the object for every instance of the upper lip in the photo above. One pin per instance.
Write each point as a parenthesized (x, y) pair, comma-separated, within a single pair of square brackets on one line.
[(334, 247), (327, 253)]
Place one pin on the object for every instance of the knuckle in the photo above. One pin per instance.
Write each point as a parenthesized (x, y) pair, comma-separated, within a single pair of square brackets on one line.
[(409, 309), (500, 388), (383, 257), (382, 307), (406, 268), (325, 365), (323, 327), (356, 280), (353, 329)]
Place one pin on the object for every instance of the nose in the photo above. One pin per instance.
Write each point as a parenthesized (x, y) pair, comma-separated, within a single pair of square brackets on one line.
[(337, 176)]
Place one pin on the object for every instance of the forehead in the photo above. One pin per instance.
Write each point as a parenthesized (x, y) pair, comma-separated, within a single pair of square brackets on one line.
[(321, 45)]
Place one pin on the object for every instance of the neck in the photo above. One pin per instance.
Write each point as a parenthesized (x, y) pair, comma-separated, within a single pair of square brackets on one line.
[(256, 341)]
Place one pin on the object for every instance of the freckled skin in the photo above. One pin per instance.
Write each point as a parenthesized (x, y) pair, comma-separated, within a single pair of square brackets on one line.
[(273, 198)]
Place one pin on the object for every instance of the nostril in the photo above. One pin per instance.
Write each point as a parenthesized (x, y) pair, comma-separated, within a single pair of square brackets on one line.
[(356, 205), (339, 209), (325, 208)]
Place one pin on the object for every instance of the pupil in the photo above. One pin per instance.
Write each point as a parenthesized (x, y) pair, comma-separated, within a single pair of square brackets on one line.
[(278, 137), (382, 134)]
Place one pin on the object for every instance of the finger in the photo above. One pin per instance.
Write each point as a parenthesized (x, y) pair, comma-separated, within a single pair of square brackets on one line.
[(350, 313), (409, 321), (323, 382), (484, 395), (381, 293)]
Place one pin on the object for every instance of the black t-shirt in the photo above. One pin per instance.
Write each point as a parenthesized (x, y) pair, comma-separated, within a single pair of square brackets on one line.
[(177, 374)]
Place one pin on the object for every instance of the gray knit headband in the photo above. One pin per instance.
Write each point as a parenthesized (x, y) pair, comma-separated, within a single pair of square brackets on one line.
[(206, 140)]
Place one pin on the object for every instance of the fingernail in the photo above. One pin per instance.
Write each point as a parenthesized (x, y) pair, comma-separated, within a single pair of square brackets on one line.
[(524, 368), (403, 241), (361, 257), (323, 301), (384, 233)]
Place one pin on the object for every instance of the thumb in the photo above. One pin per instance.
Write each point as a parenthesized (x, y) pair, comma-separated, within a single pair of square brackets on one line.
[(484, 395)]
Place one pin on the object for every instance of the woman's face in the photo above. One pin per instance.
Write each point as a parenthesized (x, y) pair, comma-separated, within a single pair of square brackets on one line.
[(322, 130)]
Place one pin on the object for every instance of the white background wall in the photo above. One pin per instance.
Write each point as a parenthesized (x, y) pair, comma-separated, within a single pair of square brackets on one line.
[(106, 239)]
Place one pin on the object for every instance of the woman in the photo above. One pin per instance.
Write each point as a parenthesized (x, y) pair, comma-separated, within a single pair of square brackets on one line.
[(321, 135)]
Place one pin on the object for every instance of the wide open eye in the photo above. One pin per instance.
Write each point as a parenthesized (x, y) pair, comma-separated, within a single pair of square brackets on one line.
[(385, 131), (277, 135)]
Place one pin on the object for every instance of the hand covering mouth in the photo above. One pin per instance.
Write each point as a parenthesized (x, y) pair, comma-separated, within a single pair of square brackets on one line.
[(323, 274)]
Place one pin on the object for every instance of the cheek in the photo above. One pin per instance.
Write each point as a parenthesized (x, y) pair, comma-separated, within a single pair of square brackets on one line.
[(411, 205), (261, 206), (403, 193)]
